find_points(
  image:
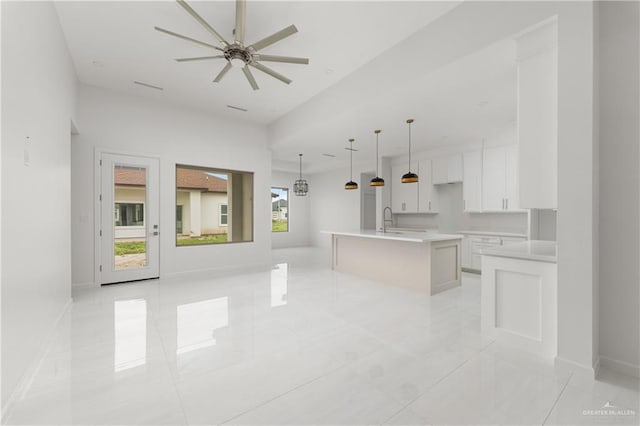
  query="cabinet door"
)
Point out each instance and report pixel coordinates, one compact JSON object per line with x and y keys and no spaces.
{"x":440,"y":170}
{"x":426,"y":191}
{"x":493,"y":179}
{"x":472,"y":181}
{"x":404,"y":196}
{"x":511,"y":195}
{"x":454,"y":168}
{"x":467,"y":261}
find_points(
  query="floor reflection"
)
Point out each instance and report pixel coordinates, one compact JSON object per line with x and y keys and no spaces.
{"x":279,"y":284}
{"x":198,"y":321}
{"x":130,"y":323}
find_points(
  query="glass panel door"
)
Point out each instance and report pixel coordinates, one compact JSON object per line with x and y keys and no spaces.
{"x":129,"y":232}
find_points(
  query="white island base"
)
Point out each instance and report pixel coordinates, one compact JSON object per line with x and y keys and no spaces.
{"x":428,"y":263}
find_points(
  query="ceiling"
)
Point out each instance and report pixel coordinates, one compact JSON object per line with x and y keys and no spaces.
{"x":372,"y":65}
{"x":113,"y":44}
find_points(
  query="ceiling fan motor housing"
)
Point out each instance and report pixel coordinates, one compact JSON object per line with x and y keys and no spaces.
{"x":236,"y":51}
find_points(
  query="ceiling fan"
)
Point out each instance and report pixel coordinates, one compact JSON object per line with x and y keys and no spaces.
{"x":237,"y":54}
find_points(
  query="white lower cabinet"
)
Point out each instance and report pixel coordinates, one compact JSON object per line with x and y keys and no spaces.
{"x":519,"y":303}
{"x":472,"y":246}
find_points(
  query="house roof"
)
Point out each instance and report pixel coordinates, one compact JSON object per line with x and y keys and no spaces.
{"x":185,"y":179}
{"x":276,"y":205}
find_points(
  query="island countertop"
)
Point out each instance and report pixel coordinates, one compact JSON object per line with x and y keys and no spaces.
{"x":414,"y":237}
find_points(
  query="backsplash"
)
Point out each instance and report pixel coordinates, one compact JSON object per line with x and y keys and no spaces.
{"x":451,"y":218}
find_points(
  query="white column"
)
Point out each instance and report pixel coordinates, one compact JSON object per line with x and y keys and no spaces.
{"x":195,"y":212}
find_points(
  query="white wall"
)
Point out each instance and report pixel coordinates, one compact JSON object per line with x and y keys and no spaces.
{"x":38,"y":101}
{"x":619,"y":185}
{"x":333,"y":208}
{"x":131,"y":125}
{"x":298,"y":212}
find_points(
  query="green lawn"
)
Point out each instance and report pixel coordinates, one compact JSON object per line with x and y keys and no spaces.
{"x":130,"y":247}
{"x":205,"y":239}
{"x":279,"y":226}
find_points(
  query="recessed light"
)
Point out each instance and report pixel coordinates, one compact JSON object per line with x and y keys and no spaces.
{"x":98,"y":64}
{"x":328,"y":71}
{"x":237,"y":108}
{"x":150,"y":86}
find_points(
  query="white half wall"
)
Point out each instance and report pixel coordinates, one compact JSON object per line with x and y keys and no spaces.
{"x":619,"y":90}
{"x":38,"y":103}
{"x":125,"y":124}
{"x":298,"y":211}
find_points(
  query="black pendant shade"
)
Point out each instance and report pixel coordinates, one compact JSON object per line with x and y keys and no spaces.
{"x":377,"y":181}
{"x":409,"y":177}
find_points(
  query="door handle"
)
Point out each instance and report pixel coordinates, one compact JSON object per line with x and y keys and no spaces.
{"x":156,"y":233}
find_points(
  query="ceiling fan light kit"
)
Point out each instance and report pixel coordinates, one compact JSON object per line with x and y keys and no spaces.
{"x":351,"y":184}
{"x":377,"y":181}
{"x":237,"y":54}
{"x":409,"y":177}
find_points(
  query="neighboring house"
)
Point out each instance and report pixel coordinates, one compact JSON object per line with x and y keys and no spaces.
{"x":201,"y":203}
{"x":279,"y":210}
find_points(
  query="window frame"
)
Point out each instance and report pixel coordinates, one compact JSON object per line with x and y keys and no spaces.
{"x":219,"y":170}
{"x":288,"y":212}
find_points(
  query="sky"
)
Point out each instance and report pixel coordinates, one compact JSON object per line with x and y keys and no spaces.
{"x":282,"y":193}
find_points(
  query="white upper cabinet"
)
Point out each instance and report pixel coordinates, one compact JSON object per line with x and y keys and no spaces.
{"x":427,"y":198}
{"x":447,"y":169}
{"x":404,"y":196}
{"x":472,"y":181}
{"x":538,"y":117}
{"x":500,"y":179}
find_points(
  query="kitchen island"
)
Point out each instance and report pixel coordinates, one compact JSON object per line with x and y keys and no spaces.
{"x":426,"y":262}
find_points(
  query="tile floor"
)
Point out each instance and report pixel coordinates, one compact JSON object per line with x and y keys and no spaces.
{"x":299,"y":344}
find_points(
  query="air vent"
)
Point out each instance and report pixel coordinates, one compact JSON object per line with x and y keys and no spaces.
{"x":237,"y":108}
{"x":329,"y":155}
{"x":150,"y":86}
{"x":351,"y":149}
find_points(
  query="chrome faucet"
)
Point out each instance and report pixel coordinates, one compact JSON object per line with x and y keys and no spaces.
{"x":384,"y":218}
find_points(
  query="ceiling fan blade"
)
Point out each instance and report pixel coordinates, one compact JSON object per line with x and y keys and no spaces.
{"x":271,"y":72}
{"x":241,"y":11}
{"x":201,"y":21}
{"x":222,"y":73}
{"x":287,"y":59}
{"x":201,"y":58}
{"x":249,"y":75}
{"x":274,"y":38}
{"x":171,"y":33}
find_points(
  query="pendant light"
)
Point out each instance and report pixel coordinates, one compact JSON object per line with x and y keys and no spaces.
{"x":377,"y":181}
{"x":409,"y":177}
{"x":351,"y":184}
{"x":300,"y":187}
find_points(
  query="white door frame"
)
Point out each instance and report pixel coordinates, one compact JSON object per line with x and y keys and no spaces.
{"x":153,"y":250}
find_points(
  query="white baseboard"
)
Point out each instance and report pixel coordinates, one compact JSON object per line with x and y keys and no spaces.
{"x":24,"y":384}
{"x":590,"y":371}
{"x":622,"y":367}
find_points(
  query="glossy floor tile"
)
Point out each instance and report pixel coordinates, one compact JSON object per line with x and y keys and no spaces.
{"x":299,"y":344}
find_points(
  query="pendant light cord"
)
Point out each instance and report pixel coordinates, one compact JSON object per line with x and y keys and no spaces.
{"x":300,"y":166}
{"x":377,"y":157}
{"x":409,"y":121}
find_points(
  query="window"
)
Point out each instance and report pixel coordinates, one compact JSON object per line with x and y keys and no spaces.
{"x":213,"y":206}
{"x":129,"y":214}
{"x":223,"y":214}
{"x":279,"y":209}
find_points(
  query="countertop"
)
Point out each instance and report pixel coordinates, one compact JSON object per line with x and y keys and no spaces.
{"x":542,"y":251}
{"x":496,"y":234}
{"x":415,"y":237}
